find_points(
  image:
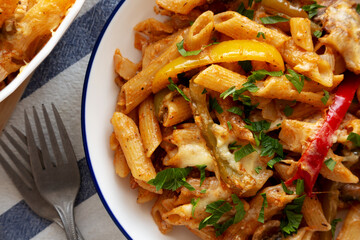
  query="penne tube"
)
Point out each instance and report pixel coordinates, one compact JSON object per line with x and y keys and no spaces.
{"x":351,"y":227}
{"x":120,"y":164}
{"x":180,"y":6}
{"x":314,"y":215}
{"x":149,"y":126}
{"x":127,"y":133}
{"x":200,"y":32}
{"x":124,"y":67}
{"x":174,"y":110}
{"x":145,"y":196}
{"x":301,"y":33}
{"x":238,"y":26}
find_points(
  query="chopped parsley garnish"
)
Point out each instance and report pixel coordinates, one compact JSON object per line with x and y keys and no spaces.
{"x":194,"y":202}
{"x":233,"y":146}
{"x":291,"y":223}
{"x":330,"y":163}
{"x":245,"y":65}
{"x":245,"y":12}
{"x":250,"y":3}
{"x":214,"y":105}
{"x":202,"y":173}
{"x":235,"y":110}
{"x":261,"y":34}
{"x":286,"y":190}
{"x":250,"y":86}
{"x":172,"y":87}
{"x":288,"y":111}
{"x":229,"y":125}
{"x":318,"y":33}
{"x":218,"y":209}
{"x":203,"y":191}
{"x":172,"y":179}
{"x":296,"y":79}
{"x":273,"y":19}
{"x":258,"y":126}
{"x":273,"y":161}
{"x":326,"y":96}
{"x":300,"y":186}
{"x":261,"y":74}
{"x":228,"y":92}
{"x":184,"y":53}
{"x":239,"y":206}
{"x":270,"y":146}
{"x":333,"y":225}
{"x":243,"y":152}
{"x":312,"y":9}
{"x":257,"y":169}
{"x":261,"y":217}
{"x":354,"y":138}
{"x":358,"y":8}
{"x":204,"y":91}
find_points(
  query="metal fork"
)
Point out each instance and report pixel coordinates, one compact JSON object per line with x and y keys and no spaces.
{"x":56,"y":176}
{"x":22,"y":177}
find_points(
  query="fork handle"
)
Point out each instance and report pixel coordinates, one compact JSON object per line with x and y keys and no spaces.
{"x":79,"y":235}
{"x":66,"y":213}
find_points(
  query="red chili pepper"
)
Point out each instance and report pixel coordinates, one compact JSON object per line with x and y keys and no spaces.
{"x":312,"y":159}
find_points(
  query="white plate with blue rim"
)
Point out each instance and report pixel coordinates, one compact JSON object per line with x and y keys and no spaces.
{"x":98,"y":105}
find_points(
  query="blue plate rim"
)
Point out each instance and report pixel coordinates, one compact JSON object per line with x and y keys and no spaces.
{"x":83,"y":125}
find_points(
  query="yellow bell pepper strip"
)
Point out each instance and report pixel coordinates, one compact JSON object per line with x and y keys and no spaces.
{"x":228,"y":51}
{"x":313,"y":157}
{"x":285,"y":7}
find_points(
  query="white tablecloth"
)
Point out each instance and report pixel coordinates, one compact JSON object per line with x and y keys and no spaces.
{"x":60,"y":80}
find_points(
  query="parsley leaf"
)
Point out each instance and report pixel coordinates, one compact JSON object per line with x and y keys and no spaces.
{"x":261,"y":74}
{"x":203,"y":191}
{"x":240,"y":211}
{"x":299,"y":186}
{"x":235,"y":110}
{"x":288,"y":111}
{"x":290,"y":224}
{"x":204,"y":91}
{"x":257,"y":169}
{"x":330,"y":163}
{"x":286,"y":190}
{"x":194,"y":203}
{"x":250,"y":86}
{"x":312,"y":9}
{"x":354,"y":138}
{"x":318,"y":33}
{"x":326,"y":96}
{"x":172,"y":87}
{"x":229,"y":125}
{"x":172,"y":179}
{"x":258,"y":126}
{"x":215,"y":105}
{"x":202,"y":173}
{"x":243,"y":152}
{"x":270,"y":146}
{"x":261,"y":34}
{"x":358,"y":8}
{"x":183,"y":52}
{"x":262,"y":211}
{"x":246,"y":12}
{"x":334,"y":223}
{"x":245,"y":65}
{"x":233,"y":146}
{"x":273,"y":19}
{"x":296,"y":79}
{"x":228,"y":92}
{"x":216,"y":209}
{"x":273,"y":161}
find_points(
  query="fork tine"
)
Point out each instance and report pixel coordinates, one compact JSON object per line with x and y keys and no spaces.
{"x":16,"y":145}
{"x":22,"y":169}
{"x":19,"y":134}
{"x":44,"y":149}
{"x":33,"y":150}
{"x":70,"y":154}
{"x":54,"y":142}
{"x":14,"y":176}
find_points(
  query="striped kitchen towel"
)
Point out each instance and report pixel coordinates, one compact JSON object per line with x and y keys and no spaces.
{"x":59,"y":79}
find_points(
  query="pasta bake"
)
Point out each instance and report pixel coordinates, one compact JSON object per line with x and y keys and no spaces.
{"x":241,"y":121}
{"x":25,"y":27}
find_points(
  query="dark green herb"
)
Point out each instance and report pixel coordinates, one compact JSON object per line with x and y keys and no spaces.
{"x":235,"y":110}
{"x":286,"y":190}
{"x":246,"y":12}
{"x":273,"y":19}
{"x":261,"y":217}
{"x":330,"y":163}
{"x":172,"y":87}
{"x":326,"y":96}
{"x":288,"y":111}
{"x":172,"y":179}
{"x":243,"y":152}
{"x":293,"y":216}
{"x":318,"y":33}
{"x":354,"y":138}
{"x":194,"y":202}
{"x":257,"y":169}
{"x":214,"y":105}
{"x":245,"y":65}
{"x":300,"y":186}
{"x":334,"y":223}
{"x":312,"y":9}
{"x":261,"y":34}
{"x":202,"y":173}
{"x":296,"y":79}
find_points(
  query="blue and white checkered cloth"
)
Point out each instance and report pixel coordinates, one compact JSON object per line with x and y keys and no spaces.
{"x":59,"y":79}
